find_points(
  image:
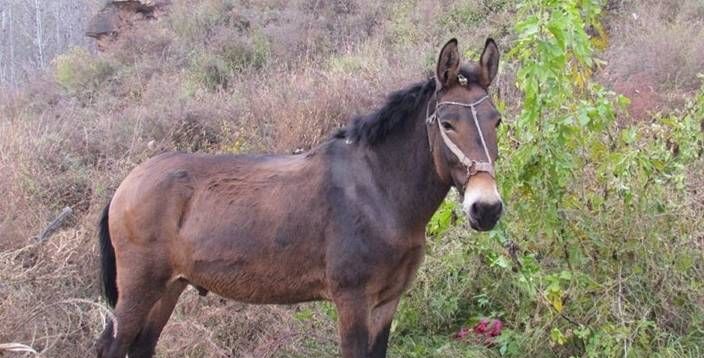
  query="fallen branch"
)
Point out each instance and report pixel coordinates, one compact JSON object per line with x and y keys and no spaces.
{"x":54,"y":224}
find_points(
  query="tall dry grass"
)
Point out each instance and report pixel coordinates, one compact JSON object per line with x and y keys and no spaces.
{"x":656,"y":54}
{"x":214,"y":76}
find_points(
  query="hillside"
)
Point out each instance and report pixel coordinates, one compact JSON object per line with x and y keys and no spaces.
{"x":600,"y":254}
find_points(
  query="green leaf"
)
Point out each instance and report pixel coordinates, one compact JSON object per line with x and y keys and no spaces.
{"x":557,"y":337}
{"x":441,"y":221}
{"x":528,"y":27}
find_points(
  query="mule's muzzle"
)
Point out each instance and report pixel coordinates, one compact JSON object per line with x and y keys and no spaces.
{"x":483,"y":216}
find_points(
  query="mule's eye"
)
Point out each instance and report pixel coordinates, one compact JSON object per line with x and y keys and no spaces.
{"x":448,"y":126}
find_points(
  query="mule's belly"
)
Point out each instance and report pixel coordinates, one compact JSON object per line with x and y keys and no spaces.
{"x":261,"y":289}
{"x":259,"y":278}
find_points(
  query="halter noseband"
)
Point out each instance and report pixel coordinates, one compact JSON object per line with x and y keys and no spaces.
{"x":473,"y":166}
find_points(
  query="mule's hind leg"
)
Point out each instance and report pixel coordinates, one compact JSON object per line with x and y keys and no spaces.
{"x":130,"y":315}
{"x":106,"y":338}
{"x":140,"y":286}
{"x":145,"y":343}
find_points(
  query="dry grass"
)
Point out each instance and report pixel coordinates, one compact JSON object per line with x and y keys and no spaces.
{"x":69,"y":138}
{"x":655,"y":52}
{"x":268,"y":76}
{"x":50,"y":302}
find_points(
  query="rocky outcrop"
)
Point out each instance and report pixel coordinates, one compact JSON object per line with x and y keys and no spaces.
{"x":118,"y":16}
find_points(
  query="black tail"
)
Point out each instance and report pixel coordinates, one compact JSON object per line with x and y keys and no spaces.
{"x":107,"y":260}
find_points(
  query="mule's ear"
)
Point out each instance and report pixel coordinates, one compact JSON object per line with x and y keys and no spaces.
{"x":448,"y":65}
{"x":489,"y":63}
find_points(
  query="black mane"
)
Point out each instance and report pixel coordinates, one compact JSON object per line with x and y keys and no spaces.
{"x":400,"y":106}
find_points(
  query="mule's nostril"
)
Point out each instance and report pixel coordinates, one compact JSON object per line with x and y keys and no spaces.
{"x":497,"y":208}
{"x":479,"y":209}
{"x":484,"y":216}
{"x":474,"y":210}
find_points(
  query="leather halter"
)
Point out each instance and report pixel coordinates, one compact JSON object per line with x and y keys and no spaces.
{"x":473,"y":166}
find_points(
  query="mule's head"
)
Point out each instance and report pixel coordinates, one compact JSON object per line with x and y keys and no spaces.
{"x":463,"y":131}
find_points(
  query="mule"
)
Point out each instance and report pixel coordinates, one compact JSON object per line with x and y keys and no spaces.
{"x":343,"y":222}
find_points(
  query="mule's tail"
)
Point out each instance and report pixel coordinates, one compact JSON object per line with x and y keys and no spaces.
{"x":107,"y":260}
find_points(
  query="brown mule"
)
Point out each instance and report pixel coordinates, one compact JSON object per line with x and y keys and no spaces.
{"x":343,"y":222}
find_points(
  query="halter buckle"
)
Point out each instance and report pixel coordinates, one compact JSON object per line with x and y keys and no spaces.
{"x":472,"y":169}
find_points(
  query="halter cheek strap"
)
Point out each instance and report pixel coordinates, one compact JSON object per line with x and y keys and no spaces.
{"x":473,"y":166}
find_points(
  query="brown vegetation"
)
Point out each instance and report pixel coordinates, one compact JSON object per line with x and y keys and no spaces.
{"x":267,"y":75}
{"x":656,"y":57}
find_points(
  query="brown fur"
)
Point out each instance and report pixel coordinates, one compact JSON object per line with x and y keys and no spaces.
{"x":343,"y":222}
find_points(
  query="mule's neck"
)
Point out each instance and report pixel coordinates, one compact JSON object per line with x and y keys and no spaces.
{"x":404,"y":162}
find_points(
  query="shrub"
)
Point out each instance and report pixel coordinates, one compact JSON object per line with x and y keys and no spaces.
{"x":600,"y":251}
{"x":596,"y":255}
{"x":243,"y":54}
{"x":194,"y":23}
{"x":209,"y":71}
{"x":213,"y":67}
{"x":81,"y":73}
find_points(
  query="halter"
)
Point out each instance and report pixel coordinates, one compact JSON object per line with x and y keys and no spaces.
{"x":473,"y":166}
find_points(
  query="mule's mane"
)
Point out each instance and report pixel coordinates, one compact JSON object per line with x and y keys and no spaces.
{"x":400,"y":108}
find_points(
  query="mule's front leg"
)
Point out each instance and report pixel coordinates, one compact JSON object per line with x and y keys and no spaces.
{"x":353,"y":324}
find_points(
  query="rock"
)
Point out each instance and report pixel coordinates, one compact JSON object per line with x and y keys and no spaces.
{"x":104,"y":23}
{"x":119,"y":15}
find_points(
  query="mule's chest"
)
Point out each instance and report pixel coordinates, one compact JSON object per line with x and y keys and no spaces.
{"x":384,"y":270}
{"x":399,"y":276}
